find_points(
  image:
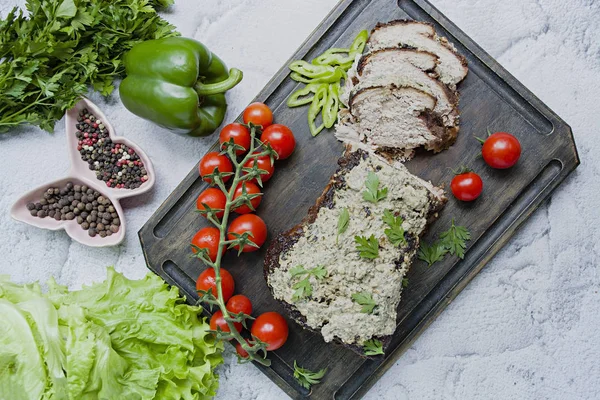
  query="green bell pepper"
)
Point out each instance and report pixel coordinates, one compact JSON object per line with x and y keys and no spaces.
{"x":178,"y":84}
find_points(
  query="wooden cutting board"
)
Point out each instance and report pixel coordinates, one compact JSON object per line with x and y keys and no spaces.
{"x":490,"y":97}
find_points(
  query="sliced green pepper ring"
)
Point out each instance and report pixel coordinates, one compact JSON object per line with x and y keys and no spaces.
{"x":315,"y":108}
{"x":333,"y":57}
{"x":359,"y":43}
{"x":311,"y":71}
{"x":332,"y":105}
{"x":302,"y":96}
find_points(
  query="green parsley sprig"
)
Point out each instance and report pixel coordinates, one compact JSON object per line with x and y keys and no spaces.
{"x":395,"y":232}
{"x":303,"y":288}
{"x":453,"y":241}
{"x":373,"y":194}
{"x":306,"y":378}
{"x":343,"y":221}
{"x":367,"y":247}
{"x":373,"y":347}
{"x":366,"y":300}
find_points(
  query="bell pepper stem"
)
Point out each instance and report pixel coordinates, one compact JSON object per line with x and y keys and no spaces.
{"x":208,"y":89}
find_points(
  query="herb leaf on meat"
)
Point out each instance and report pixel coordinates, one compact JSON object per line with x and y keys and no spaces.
{"x":306,"y":377}
{"x":366,"y":300}
{"x":373,"y":194}
{"x":395,"y":232}
{"x":373,"y":347}
{"x":343,"y":221}
{"x":404,"y":283}
{"x":431,"y":253}
{"x":454,"y":240}
{"x":367,"y":247}
{"x":303,"y":288}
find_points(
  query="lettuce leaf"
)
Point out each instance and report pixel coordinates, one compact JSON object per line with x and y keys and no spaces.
{"x":122,"y":338}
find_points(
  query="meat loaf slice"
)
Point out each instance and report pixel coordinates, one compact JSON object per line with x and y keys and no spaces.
{"x":393,"y":121}
{"x":329,"y":307}
{"x":452,"y":66}
{"x":392,"y":66}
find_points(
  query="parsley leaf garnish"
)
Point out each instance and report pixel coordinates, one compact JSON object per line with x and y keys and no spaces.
{"x":431,"y":253}
{"x":366,"y":300}
{"x":373,"y":194}
{"x":395,"y":232}
{"x":343,"y":221}
{"x":303,"y":288}
{"x":306,"y":377}
{"x":373,"y":347}
{"x":405,"y":282}
{"x":367,"y":248}
{"x":454,"y":240}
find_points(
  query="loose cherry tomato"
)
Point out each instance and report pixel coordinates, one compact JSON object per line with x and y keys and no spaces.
{"x":240,"y":350}
{"x":214,"y":160}
{"x":214,"y":198}
{"x":263,"y":163}
{"x":239,"y":303}
{"x":272,"y":329}
{"x":281,"y":139}
{"x":501,"y":150}
{"x":467,"y":186}
{"x":217,"y":320}
{"x":251,"y":188}
{"x":249,"y":223}
{"x":207,"y":238}
{"x":206,"y":281}
{"x":258,"y":114}
{"x":240,"y":135}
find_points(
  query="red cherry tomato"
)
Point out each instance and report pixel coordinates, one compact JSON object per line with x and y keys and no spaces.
{"x":240,"y":135}
{"x":239,"y":303}
{"x":240,"y":350}
{"x":467,"y":186}
{"x":258,"y":114}
{"x":281,"y":139}
{"x":501,"y":150}
{"x":206,"y":281}
{"x":251,"y":188}
{"x":263,"y":163}
{"x":272,"y":329}
{"x":207,"y":238}
{"x":217,"y":320}
{"x":214,"y":198}
{"x":249,"y":223}
{"x":214,"y":160}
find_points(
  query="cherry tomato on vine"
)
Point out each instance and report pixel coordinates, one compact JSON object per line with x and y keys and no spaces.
{"x":239,"y":303}
{"x":207,"y":238}
{"x":281,"y":139}
{"x":206,"y":281}
{"x":467,"y":186}
{"x":251,"y":188}
{"x":249,"y":223}
{"x":271,"y":328}
{"x":263,"y":163}
{"x":217,"y":320}
{"x":501,"y":150}
{"x":213,"y":160}
{"x":240,"y":350}
{"x":240,"y":135}
{"x":214,"y":198}
{"x":258,"y":114}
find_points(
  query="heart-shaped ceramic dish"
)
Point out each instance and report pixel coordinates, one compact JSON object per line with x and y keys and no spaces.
{"x":82,"y":175}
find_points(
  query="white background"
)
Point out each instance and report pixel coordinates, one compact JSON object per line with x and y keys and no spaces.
{"x":528,"y":327}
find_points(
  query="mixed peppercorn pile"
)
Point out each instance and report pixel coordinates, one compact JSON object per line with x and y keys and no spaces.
{"x":117,"y":164}
{"x":94,"y":212}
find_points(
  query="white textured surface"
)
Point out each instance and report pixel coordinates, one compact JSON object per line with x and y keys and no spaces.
{"x":528,"y":327}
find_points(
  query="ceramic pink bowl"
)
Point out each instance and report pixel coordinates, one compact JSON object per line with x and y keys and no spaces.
{"x":81,"y":174}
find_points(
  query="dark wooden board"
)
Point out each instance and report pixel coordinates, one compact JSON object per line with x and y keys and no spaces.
{"x":490,"y":97}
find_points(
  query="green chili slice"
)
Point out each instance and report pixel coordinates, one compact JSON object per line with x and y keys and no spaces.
{"x":359,"y":43}
{"x":303,"y":95}
{"x":332,"y":105}
{"x":315,"y":108}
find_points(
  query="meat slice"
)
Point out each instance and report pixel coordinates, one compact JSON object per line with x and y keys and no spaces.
{"x":392,"y":66}
{"x":452,"y":67}
{"x":393,"y":121}
{"x":330,"y":308}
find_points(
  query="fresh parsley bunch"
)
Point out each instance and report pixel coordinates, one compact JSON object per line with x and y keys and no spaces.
{"x":50,"y":57}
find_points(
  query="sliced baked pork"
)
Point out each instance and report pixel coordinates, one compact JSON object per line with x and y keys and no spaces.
{"x":392,"y":121}
{"x":322,"y":277}
{"x":452,"y":67}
